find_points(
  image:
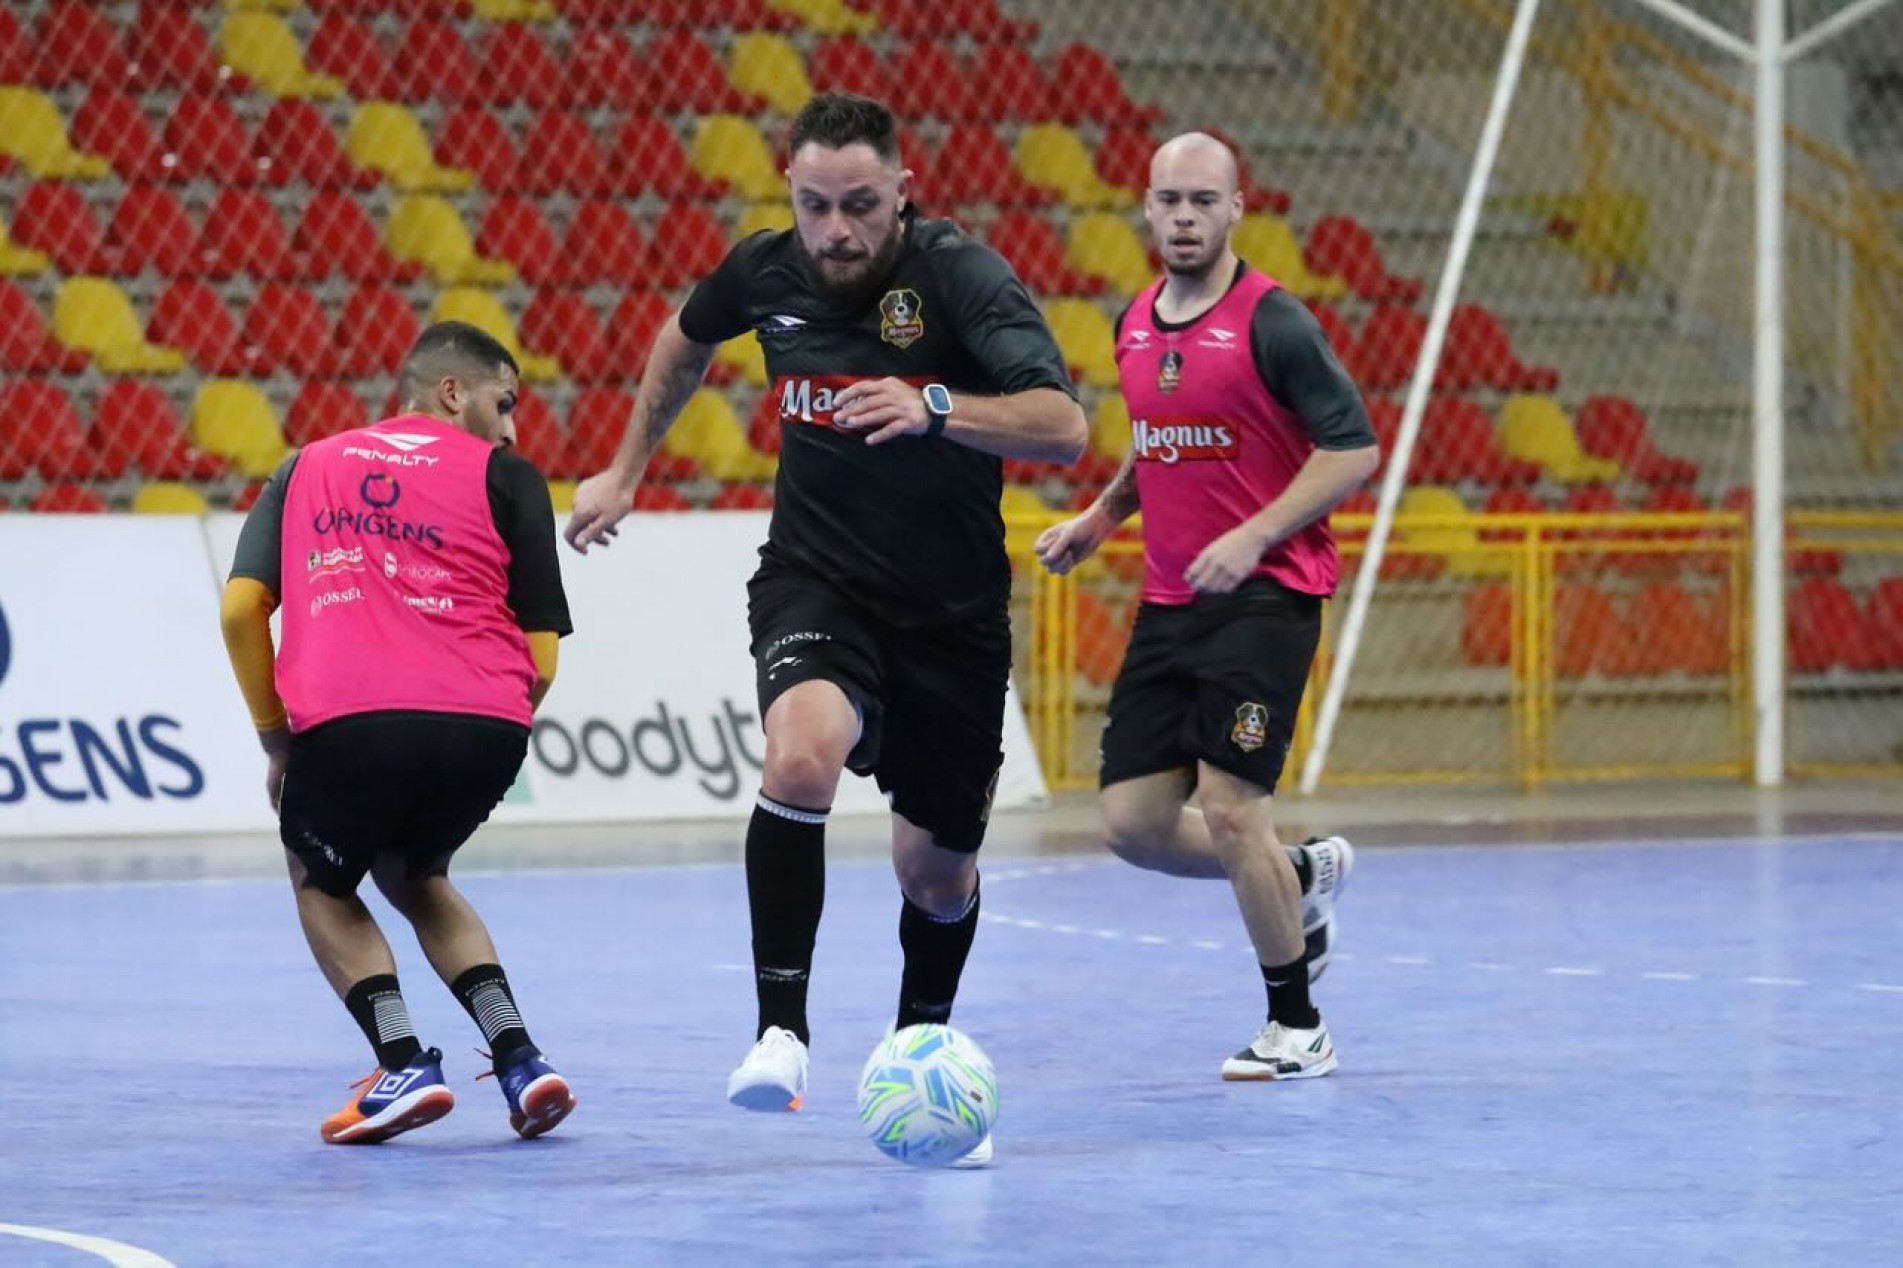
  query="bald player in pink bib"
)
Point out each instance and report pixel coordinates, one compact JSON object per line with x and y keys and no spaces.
{"x":414,"y":563}
{"x":1245,"y":432}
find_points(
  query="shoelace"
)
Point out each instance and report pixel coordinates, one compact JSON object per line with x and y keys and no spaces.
{"x":490,"y":1058}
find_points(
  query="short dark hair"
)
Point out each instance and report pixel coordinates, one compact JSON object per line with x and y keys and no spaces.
{"x":451,"y":347}
{"x":839,"y":119}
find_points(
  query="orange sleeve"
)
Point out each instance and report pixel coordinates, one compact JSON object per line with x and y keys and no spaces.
{"x":245,"y":614}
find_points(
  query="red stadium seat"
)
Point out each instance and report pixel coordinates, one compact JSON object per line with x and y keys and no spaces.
{"x":846,"y":63}
{"x":738,"y":15}
{"x":1014,"y":85}
{"x":604,"y":244}
{"x":41,"y":431}
{"x":1457,"y":443}
{"x":150,"y":230}
{"x":1123,"y":156}
{"x":474,"y":138}
{"x":1339,"y":246}
{"x":559,"y":156}
{"x":191,"y":317}
{"x":520,"y":66}
{"x":694,"y":79}
{"x":210,"y":142}
{"x":169,"y":47}
{"x":604,"y":70}
{"x":1885,"y":622}
{"x":974,"y":165}
{"x":1588,"y":629}
{"x":374,"y":332}
{"x":930,"y":82}
{"x":19,"y":52}
{"x":1335,"y":328}
{"x":288,"y":329}
{"x":26,"y":343}
{"x":114,"y":125}
{"x":135,"y":423}
{"x":55,"y":217}
{"x":1387,"y":348}
{"x":763,"y":425}
{"x":348,"y":49}
{"x":981,"y":20}
{"x":323,"y":409}
{"x":1092,"y":90}
{"x":337,"y":235}
{"x":1828,"y":629}
{"x":1672,"y":631}
{"x":538,"y":434}
{"x":742,"y":497}
{"x":688,"y":244}
{"x":660,"y":497}
{"x":645,"y":154}
{"x":1613,"y":427}
{"x":243,"y":237}
{"x":563,"y":325}
{"x":515,"y":230}
{"x":78,"y":45}
{"x":596,"y":420}
{"x":1035,"y":251}
{"x":1486,"y":629}
{"x":435,"y":66}
{"x":295,"y":139}
{"x":68,"y":499}
{"x":631,"y":331}
{"x":1479,"y":353}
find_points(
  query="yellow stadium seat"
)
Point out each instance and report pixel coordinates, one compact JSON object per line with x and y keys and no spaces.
{"x":1110,"y":426}
{"x":1023,"y":502}
{"x":769,"y":67}
{"x":562,"y":494}
{"x":1087,"y":341}
{"x":235,"y":420}
{"x":166,"y":497}
{"x":485,"y":312}
{"x":515,"y":10}
{"x":771,"y":216}
{"x":94,"y":314}
{"x":1054,"y":157}
{"x":260,"y":46}
{"x":387,"y":138}
{"x":33,"y":131}
{"x":427,"y":229}
{"x":17,"y":260}
{"x":728,"y":147}
{"x":1457,"y":541}
{"x":263,"y":6}
{"x":745,"y":355}
{"x":709,"y":432}
{"x":1268,"y":243}
{"x":1102,"y":244}
{"x":827,"y":17}
{"x":1534,"y":426}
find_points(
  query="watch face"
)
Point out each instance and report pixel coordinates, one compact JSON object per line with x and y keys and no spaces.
{"x":937,"y":399}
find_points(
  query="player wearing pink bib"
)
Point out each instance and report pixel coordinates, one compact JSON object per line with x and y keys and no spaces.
{"x":414,"y":564}
{"x":1245,"y":432}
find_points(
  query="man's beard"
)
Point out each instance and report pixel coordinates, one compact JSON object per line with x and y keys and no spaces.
{"x":1196,"y":269}
{"x":864,"y":286}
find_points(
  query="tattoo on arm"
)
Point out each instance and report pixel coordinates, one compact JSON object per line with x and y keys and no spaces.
{"x":1119,"y":497}
{"x":671,"y":394}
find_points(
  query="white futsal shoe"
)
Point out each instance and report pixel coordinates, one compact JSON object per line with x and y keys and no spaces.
{"x":1283,"y":1052}
{"x":772,"y":1078}
{"x":978,"y":1158}
{"x":1331,"y":860}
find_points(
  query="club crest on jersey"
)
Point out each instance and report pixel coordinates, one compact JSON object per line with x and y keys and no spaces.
{"x":901,"y":318}
{"x":1169,"y":371}
{"x":1251,"y":730}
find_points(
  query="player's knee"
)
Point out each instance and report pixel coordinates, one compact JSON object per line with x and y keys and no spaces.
{"x":939,"y":890}
{"x":1232,"y":825}
{"x":1138,"y":837}
{"x":802,"y":774}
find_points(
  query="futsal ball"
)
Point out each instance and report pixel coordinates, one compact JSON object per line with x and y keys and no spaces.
{"x":928,"y":1095}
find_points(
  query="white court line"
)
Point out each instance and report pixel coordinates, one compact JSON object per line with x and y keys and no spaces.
{"x":1205,"y":944}
{"x":1775,"y":981}
{"x":1065,"y":929}
{"x":1491,"y":966}
{"x":1883,"y":987}
{"x":1151,"y":940}
{"x":1565,"y":971}
{"x":118,"y":1254}
{"x":1669,"y":977}
{"x":1107,"y":933}
{"x":1406,"y":959}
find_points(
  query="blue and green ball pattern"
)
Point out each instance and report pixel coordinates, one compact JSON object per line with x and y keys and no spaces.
{"x":928,"y":1095}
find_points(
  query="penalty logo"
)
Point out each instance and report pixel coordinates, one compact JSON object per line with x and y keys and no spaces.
{"x":1251,"y":731}
{"x":900,"y":322}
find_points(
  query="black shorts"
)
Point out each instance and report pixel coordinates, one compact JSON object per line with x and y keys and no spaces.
{"x":930,"y":701}
{"x":1216,"y":680}
{"x":410,"y":785}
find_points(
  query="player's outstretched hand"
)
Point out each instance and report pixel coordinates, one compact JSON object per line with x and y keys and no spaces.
{"x":600,"y":502}
{"x":1062,"y":547}
{"x":1226,"y":562}
{"x":881,"y":410}
{"x":277,"y":750}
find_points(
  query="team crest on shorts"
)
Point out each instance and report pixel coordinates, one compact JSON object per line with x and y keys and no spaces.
{"x":1251,"y":731}
{"x":901,"y":321}
{"x":1169,"y":371}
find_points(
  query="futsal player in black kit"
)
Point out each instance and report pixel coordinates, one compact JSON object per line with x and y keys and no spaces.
{"x":908,"y":360}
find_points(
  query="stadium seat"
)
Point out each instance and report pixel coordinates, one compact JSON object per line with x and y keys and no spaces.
{"x":1884,"y":620}
{"x":1110,"y":434}
{"x":1038,"y":256}
{"x":741,"y":497}
{"x":190,"y":316}
{"x":846,"y":63}
{"x":563,"y":325}
{"x":41,"y":431}
{"x":1052,"y":156}
{"x":33,"y":133}
{"x":763,"y":218}
{"x":1092,"y":91}
{"x":431,"y":66}
{"x":1015,"y":86}
{"x":1456,"y":545}
{"x":210,"y":142}
{"x":1677,"y":499}
{"x":688,"y":244}
{"x":1084,"y":335}
{"x":114,"y":126}
{"x":1486,"y":627}
{"x":1614,"y":428}
{"x":763,"y":425}
{"x":1123,"y":156}
{"x":19,"y":261}
{"x":694,"y":79}
{"x":604,"y":245}
{"x":484,"y":311}
{"x":349,"y":49}
{"x":1339,"y":246}
{"x":1457,"y":443}
{"x":515,"y":230}
{"x":637,"y":319}
{"x":1480,"y":354}
{"x":523,"y":69}
{"x":981,"y":20}
{"x":474,"y":139}
{"x":243,"y":237}
{"x":295,"y":139}
{"x":427,"y":230}
{"x":1102,"y":635}
{"x":337,"y":235}
{"x":604,"y":70}
{"x":65,"y":498}
{"x":134,"y":423}
{"x":514,"y":10}
{"x":645,"y":154}
{"x":375,"y":331}
{"x":235,"y":421}
{"x":709,"y":433}
{"x":1509,"y":500}
{"x":1828,"y":630}
{"x":78,"y":45}
{"x":660,"y":497}
{"x":539,"y":436}
{"x":260,"y":47}
{"x":745,"y":357}
{"x":54,"y":218}
{"x":769,"y":67}
{"x":1267,"y":242}
{"x":1104,"y":246}
{"x":1589,"y":634}
{"x":1533,"y":426}
{"x":827,"y":17}
{"x":18,"y":50}
{"x":930,"y":82}
{"x":286,"y":328}
{"x":92,"y":314}
{"x":169,"y":48}
{"x":975,"y":165}
{"x":1670,"y":630}
{"x":168,"y":497}
{"x":559,"y":156}
{"x":26,"y":345}
{"x":149,"y":229}
{"x":386,"y":138}
{"x":730,"y":148}
{"x":596,"y":419}
{"x":1387,"y":348}
{"x":1335,"y":329}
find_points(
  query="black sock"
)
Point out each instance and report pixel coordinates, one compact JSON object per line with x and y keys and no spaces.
{"x":786,"y":890}
{"x":376,"y":1005}
{"x":935,"y":953}
{"x":1304,"y":871}
{"x":485,"y":995}
{"x":1288,"y":994}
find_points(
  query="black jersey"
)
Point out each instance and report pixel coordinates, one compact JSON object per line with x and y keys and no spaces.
{"x":910,"y":527}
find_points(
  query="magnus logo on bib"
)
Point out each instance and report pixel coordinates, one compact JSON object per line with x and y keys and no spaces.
{"x":1173,"y":440}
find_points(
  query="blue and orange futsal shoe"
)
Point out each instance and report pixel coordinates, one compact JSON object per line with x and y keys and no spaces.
{"x":396,"y":1101}
{"x":538,"y":1097}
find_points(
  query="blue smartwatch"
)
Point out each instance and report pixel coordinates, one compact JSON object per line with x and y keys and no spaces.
{"x":938,"y":407}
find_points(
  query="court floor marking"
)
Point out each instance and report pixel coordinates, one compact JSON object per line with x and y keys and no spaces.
{"x":118,"y":1254}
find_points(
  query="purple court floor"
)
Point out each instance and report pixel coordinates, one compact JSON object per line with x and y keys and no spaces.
{"x":1644,"y":1052}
